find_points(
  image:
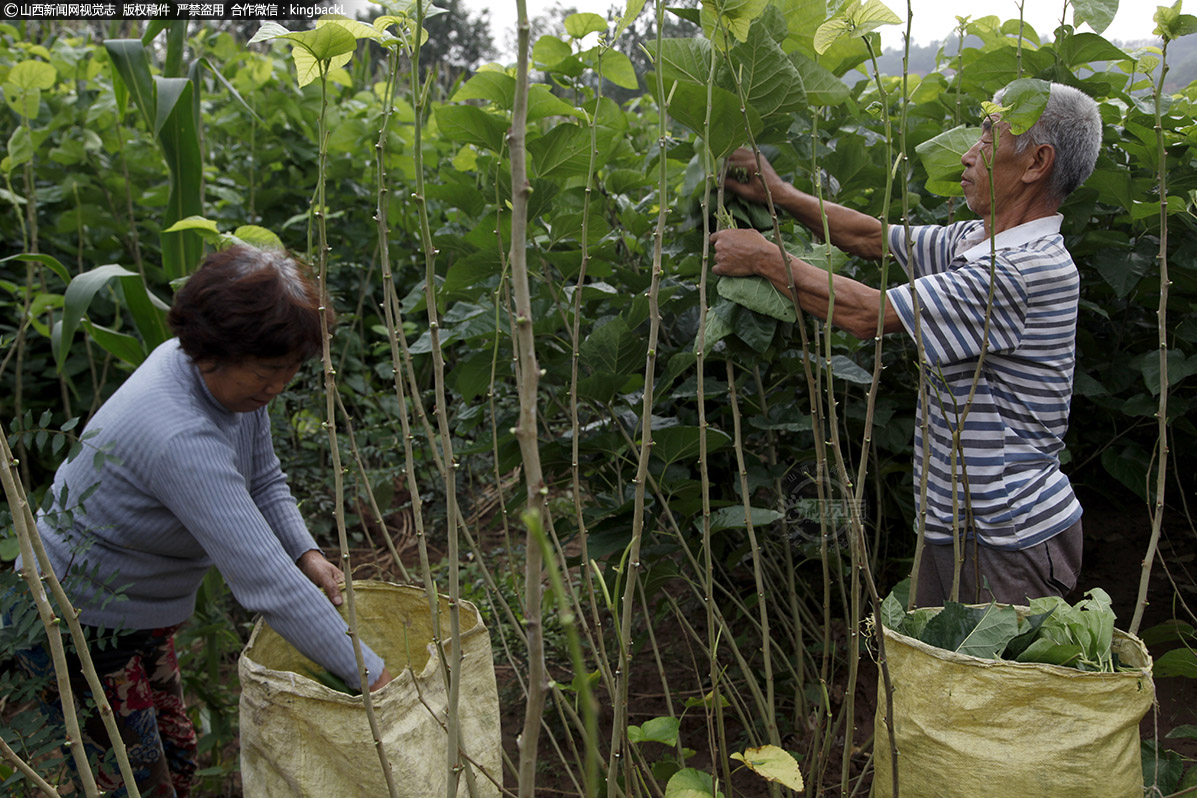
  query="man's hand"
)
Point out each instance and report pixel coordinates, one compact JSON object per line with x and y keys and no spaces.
{"x":742,"y":164}
{"x":742,"y":253}
{"x":323,"y":574}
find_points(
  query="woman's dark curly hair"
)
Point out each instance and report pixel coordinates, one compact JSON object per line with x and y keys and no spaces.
{"x":244,"y":302}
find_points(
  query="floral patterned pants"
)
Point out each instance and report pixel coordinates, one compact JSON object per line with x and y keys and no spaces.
{"x":141,"y":680}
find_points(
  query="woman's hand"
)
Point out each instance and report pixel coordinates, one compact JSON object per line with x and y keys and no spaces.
{"x":324,"y":575}
{"x":381,"y":681}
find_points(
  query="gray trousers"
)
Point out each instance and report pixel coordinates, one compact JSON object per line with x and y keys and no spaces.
{"x":1009,"y":577}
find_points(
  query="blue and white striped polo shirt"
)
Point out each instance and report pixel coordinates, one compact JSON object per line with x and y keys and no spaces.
{"x":1008,"y":460}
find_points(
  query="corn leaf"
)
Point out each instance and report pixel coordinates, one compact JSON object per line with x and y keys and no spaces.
{"x":133,"y":65}
{"x":126,"y":347}
{"x":76,"y":301}
{"x":178,"y":133}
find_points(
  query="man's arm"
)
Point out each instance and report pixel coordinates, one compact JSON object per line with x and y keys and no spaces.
{"x":745,"y":253}
{"x":851,"y":231}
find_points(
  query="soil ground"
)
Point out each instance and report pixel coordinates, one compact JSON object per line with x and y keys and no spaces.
{"x":1116,"y":539}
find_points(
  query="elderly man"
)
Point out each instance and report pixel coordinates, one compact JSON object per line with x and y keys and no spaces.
{"x":1001,"y":492}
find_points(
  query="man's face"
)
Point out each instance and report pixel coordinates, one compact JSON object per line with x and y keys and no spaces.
{"x":1008,"y":168}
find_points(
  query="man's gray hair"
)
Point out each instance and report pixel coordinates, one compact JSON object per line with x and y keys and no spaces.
{"x":1071,"y":124}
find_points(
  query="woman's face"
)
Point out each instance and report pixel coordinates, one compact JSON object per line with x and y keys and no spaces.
{"x":251,"y":383}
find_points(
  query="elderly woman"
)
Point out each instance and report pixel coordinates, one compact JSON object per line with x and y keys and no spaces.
{"x":192,"y":481}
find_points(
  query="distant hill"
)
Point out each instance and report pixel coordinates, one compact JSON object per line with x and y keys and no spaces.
{"x":1182,"y":59}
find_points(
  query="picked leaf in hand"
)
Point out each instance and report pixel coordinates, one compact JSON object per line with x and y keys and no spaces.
{"x":759,"y":295}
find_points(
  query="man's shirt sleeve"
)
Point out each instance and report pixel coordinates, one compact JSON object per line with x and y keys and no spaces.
{"x":930,"y":249}
{"x":959,"y":316}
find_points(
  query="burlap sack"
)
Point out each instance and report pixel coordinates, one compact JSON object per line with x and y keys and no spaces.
{"x":976,"y":728}
{"x":300,"y":738}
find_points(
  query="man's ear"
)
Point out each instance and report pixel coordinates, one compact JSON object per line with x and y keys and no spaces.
{"x":1043,"y":159}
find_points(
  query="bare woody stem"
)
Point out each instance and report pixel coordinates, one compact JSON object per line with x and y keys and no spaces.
{"x":1157,"y":509}
{"x":959,"y":466}
{"x":400,"y":356}
{"x":528,"y":381}
{"x":330,"y":389}
{"x":20,"y":764}
{"x":632,"y":558}
{"x":632,"y":570}
{"x":589,"y":708}
{"x":716,"y":732}
{"x":858,"y":548}
{"x":381,"y":212}
{"x":454,"y":763}
{"x":34,"y":559}
{"x":769,"y":708}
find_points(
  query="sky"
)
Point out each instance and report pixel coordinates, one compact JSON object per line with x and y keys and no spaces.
{"x":934,"y":20}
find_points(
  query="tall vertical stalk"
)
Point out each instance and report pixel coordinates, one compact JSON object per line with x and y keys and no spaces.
{"x":575,"y":344}
{"x":716,"y":732}
{"x":1021,"y":26}
{"x":528,"y":381}
{"x":34,"y":560}
{"x":392,"y":317}
{"x":31,"y":271}
{"x":632,"y":568}
{"x":821,"y":738}
{"x":454,"y":763}
{"x":924,"y":455}
{"x":587,"y":696}
{"x":769,"y":707}
{"x":959,"y":465}
{"x":330,"y":388}
{"x":381,"y":219}
{"x":1157,"y":508}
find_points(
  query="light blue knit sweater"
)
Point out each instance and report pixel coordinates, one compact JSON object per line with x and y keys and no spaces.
{"x":195,"y":486}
